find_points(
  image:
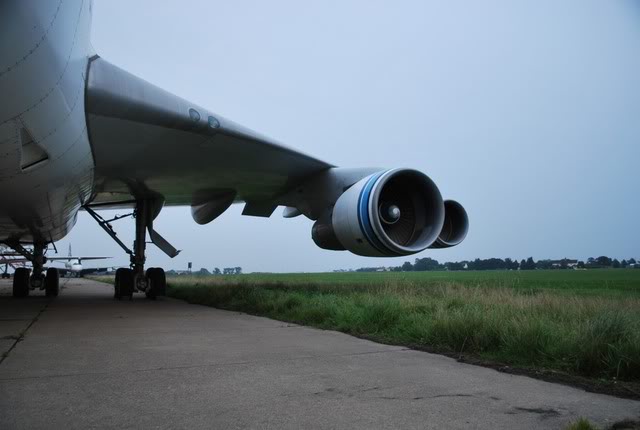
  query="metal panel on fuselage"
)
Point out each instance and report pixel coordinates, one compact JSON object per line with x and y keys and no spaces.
{"x":44,"y":51}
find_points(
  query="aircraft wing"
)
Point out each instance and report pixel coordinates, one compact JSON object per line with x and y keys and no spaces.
{"x":148,"y":143}
{"x":151,"y":145}
{"x":13,"y":260}
{"x":75,"y":258}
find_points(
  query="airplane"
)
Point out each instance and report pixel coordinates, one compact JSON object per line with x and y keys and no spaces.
{"x":73,"y":265}
{"x":79,"y":133}
{"x":8,"y":259}
{"x":73,"y":268}
{"x":10,"y":262}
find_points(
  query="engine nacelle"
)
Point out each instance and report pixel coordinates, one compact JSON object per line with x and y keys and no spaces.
{"x":324,"y":235}
{"x":387,"y":214}
{"x":456,"y":225}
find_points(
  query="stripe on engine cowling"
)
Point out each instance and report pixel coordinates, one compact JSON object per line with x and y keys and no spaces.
{"x":363,"y":215}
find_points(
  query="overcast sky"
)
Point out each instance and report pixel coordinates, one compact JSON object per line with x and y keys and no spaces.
{"x":528,"y":113}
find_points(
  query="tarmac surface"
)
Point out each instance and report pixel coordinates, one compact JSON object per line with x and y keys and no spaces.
{"x":83,"y":360}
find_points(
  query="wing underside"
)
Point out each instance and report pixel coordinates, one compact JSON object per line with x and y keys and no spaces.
{"x":148,"y":143}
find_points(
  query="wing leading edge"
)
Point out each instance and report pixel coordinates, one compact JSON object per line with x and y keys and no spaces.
{"x":148,"y":143}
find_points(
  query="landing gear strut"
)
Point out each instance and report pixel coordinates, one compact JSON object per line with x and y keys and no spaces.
{"x":152,"y":282}
{"x":5,"y":274}
{"x":37,"y":261}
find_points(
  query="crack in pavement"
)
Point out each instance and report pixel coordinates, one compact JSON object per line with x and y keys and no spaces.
{"x":337,"y":392}
{"x":450,"y":395}
{"x":20,"y":337}
{"x":543,"y":412}
{"x":424,"y":398}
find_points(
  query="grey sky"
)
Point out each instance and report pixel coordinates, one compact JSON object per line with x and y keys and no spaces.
{"x":525,"y":112}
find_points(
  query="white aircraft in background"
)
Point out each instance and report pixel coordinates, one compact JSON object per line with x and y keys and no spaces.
{"x":77,"y":132}
{"x":73,"y":265}
{"x":10,"y":260}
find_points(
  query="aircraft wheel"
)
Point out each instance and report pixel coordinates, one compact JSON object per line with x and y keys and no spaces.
{"x":158,"y":281}
{"x":52,"y":282}
{"x":121,"y":285}
{"x":126,"y":284}
{"x":6,"y":276}
{"x":149,"y":275}
{"x":21,"y":282}
{"x":116,"y":284}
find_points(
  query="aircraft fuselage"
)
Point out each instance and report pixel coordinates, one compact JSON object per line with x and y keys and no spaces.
{"x":46,"y":162}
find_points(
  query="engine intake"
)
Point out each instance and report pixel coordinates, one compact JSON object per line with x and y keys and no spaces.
{"x":390,"y":213}
{"x":456,"y":225}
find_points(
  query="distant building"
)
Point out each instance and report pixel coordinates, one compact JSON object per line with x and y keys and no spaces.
{"x":177,"y":272}
{"x":564,"y":263}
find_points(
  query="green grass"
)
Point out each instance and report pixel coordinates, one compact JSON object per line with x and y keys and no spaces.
{"x":583,"y":323}
{"x":605,"y":282}
{"x":581,"y":424}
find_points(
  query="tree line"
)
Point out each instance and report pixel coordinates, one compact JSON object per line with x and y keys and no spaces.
{"x":205,"y":272}
{"x":427,"y":264}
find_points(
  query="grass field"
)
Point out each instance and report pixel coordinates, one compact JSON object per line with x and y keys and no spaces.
{"x":599,"y":283}
{"x":579,"y":322}
{"x":584,"y":323}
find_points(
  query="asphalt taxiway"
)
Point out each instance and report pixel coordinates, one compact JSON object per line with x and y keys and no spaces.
{"x":83,"y":360}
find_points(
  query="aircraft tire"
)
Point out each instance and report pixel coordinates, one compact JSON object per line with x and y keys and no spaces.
{"x":126,"y":284}
{"x":116,"y":281}
{"x":158,"y":281}
{"x":52,"y":282}
{"x":116,"y":284}
{"x":149,"y":274}
{"x":21,"y":282}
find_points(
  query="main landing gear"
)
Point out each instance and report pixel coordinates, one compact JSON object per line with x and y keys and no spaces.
{"x":153,"y":281}
{"x":25,"y":280}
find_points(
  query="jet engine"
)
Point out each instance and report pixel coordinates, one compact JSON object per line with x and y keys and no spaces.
{"x":456,"y":225}
{"x":390,"y":213}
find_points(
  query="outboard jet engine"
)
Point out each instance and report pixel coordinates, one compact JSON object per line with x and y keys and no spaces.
{"x":390,"y":213}
{"x":455,"y":228}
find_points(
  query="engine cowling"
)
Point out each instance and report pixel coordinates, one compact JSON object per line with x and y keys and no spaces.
{"x":390,"y":213}
{"x":455,"y":227}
